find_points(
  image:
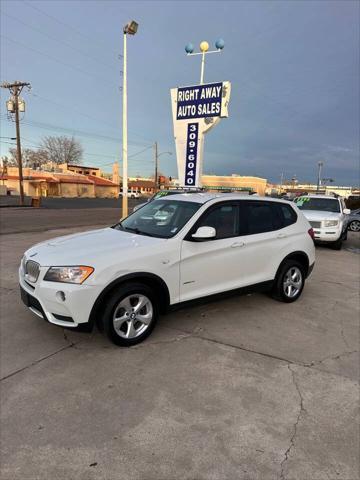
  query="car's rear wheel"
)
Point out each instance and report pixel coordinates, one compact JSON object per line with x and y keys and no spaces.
{"x":130,"y":314}
{"x":354,"y":226}
{"x":289,"y":281}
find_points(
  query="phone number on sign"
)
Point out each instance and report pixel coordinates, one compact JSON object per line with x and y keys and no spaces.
{"x":191,"y":153}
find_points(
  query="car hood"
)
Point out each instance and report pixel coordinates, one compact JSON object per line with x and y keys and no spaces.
{"x":90,"y":248}
{"x":319,"y":215}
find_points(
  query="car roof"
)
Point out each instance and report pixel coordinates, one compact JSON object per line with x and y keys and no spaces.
{"x":207,"y":197}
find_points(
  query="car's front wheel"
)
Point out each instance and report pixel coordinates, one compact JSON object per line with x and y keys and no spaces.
{"x":289,"y":281}
{"x":337,"y":245}
{"x":130,"y":314}
{"x":354,"y":226}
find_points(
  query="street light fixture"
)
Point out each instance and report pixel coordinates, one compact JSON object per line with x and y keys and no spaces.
{"x":129,"y":29}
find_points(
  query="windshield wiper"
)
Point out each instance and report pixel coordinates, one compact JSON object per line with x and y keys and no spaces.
{"x":118,"y":226}
{"x":137,"y":231}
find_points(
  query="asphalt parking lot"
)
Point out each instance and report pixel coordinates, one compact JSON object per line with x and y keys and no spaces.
{"x":240,"y":388}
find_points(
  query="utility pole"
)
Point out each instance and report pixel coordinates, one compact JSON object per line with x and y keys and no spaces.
{"x":13,"y":107}
{"x":156,"y":181}
{"x":320,"y":165}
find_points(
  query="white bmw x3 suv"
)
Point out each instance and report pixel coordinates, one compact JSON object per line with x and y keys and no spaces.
{"x":328,"y":216}
{"x":172,"y":250}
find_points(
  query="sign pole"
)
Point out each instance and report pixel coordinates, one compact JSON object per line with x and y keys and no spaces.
{"x":202,"y":68}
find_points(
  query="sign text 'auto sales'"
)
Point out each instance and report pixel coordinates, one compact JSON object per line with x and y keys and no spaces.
{"x":199,"y":101}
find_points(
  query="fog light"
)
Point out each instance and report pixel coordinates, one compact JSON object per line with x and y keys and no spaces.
{"x":61,"y":296}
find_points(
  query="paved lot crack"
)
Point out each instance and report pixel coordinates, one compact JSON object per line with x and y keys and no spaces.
{"x":268,"y":355}
{"x":8,"y":289}
{"x":72,"y":344}
{"x":36,"y":362}
{"x":274,"y":357}
{"x":160,"y":342}
{"x":330,"y":357}
{"x":343,"y":334}
{"x":296,"y":424}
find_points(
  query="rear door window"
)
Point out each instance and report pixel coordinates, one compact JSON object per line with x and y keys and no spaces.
{"x":286,"y":213}
{"x":258,"y":217}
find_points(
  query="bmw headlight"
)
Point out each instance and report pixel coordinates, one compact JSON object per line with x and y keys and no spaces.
{"x":77,"y":274}
{"x":331,"y":223}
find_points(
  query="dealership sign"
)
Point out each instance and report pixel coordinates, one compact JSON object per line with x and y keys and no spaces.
{"x":196,"y":109}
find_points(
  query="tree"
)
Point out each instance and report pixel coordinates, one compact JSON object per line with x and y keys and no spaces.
{"x":30,"y":158}
{"x":61,"y":150}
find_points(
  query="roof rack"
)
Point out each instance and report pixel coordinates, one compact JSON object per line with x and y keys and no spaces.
{"x":185,"y":189}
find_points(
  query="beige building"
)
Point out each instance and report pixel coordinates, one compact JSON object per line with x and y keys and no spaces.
{"x":81,"y":169}
{"x":65,"y":183}
{"x":299,"y":188}
{"x":217,"y":182}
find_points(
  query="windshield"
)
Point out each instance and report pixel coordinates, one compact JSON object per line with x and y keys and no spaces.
{"x":159,"y":218}
{"x":323,"y":204}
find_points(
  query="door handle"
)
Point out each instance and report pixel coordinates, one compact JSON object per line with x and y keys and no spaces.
{"x":281,"y":235}
{"x":237,"y":244}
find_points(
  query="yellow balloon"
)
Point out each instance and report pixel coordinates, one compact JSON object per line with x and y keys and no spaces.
{"x":204,"y":46}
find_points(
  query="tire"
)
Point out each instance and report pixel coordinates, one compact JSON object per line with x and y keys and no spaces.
{"x":122,"y":324}
{"x":354,"y":226}
{"x":337,"y":245}
{"x":289,"y":293}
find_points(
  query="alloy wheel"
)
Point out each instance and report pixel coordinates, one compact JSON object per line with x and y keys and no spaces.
{"x":132,"y":316}
{"x":293,"y":281}
{"x":355,"y":226}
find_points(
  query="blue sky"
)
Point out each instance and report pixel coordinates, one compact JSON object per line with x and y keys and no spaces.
{"x":294,"y":68}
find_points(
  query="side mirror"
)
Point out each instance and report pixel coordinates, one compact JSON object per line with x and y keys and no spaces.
{"x":204,"y":233}
{"x":347,"y":211}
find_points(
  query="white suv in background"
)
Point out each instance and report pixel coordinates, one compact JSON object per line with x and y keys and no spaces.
{"x":172,"y":250}
{"x":327,"y":216}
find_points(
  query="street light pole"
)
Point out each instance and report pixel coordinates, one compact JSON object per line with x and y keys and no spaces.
{"x":124,"y":133}
{"x":156,"y":182}
{"x":320,"y":165}
{"x":130,"y":28}
{"x":157,"y":155}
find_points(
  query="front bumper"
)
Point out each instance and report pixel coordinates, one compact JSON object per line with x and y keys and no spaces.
{"x":70,"y":308}
{"x":330,"y":234}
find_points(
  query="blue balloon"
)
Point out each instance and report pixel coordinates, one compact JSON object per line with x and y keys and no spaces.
{"x":220,"y":44}
{"x":189,"y":48}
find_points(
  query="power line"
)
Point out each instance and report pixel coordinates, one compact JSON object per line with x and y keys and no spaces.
{"x":138,"y":153}
{"x":59,"y":41}
{"x":67,"y":25}
{"x":74,"y":131}
{"x":84,"y":153}
{"x":114,"y":155}
{"x":56,"y":60}
{"x":68,"y":107}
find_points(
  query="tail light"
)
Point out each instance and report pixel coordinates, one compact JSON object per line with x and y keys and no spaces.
{"x":311,"y":233}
